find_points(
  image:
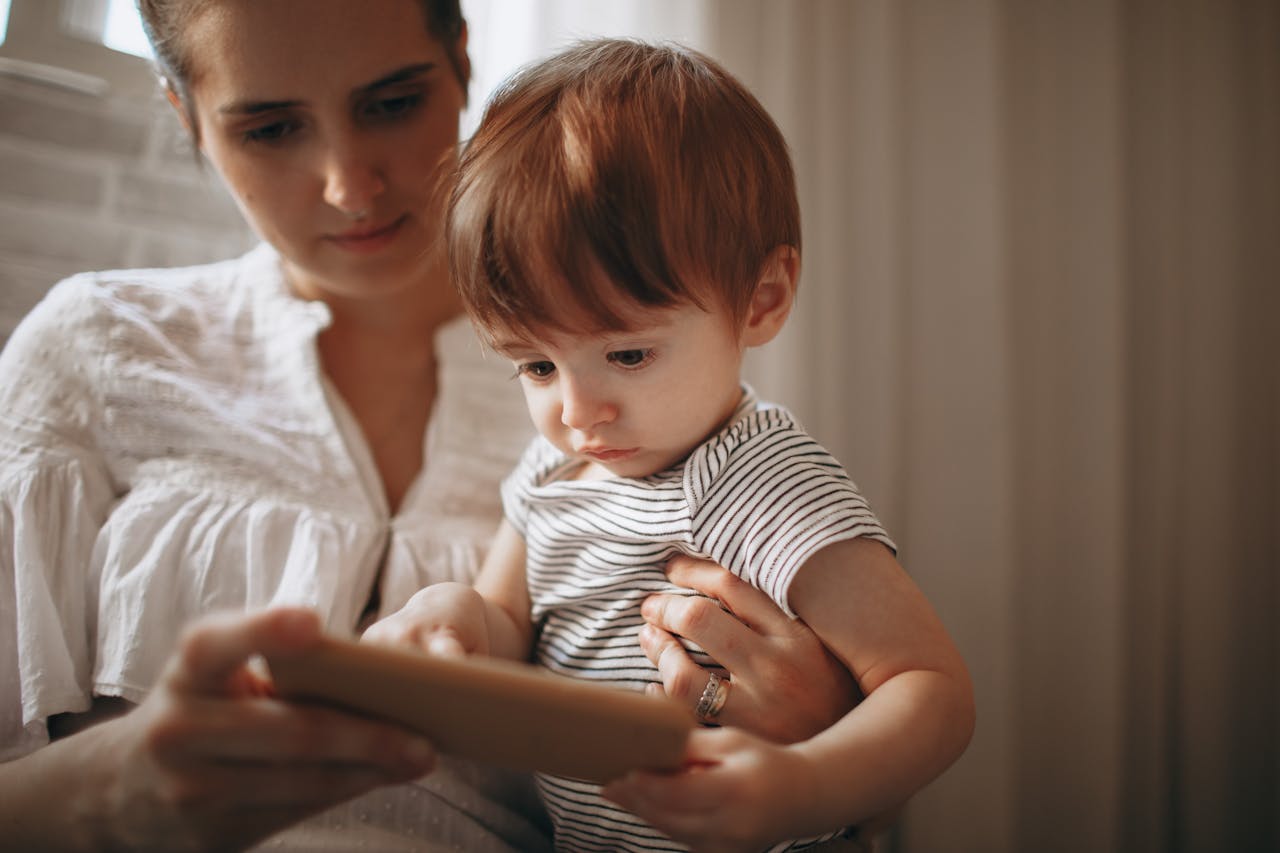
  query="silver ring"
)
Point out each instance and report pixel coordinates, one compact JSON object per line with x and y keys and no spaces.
{"x":713,"y":698}
{"x":357,"y":215}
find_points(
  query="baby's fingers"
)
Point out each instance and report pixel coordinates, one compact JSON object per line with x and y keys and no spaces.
{"x":445,"y":644}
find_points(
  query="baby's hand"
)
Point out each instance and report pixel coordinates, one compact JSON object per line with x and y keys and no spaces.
{"x":737,"y":792}
{"x":445,"y":619}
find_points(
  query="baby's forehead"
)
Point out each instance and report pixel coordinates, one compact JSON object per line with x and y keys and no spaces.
{"x":566,"y":329}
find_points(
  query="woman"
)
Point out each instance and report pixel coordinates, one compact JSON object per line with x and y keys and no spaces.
{"x":312,"y":424}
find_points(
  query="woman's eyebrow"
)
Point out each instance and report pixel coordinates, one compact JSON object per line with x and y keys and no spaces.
{"x":246,"y":108}
{"x":400,"y":75}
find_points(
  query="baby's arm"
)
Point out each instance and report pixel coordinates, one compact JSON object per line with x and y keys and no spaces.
{"x":491,"y":618}
{"x":916,"y":720}
{"x":918,"y":714}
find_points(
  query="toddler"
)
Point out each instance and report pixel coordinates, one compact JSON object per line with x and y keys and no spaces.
{"x":624,"y":227}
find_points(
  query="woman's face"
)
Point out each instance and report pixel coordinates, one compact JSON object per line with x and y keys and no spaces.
{"x":334,"y":124}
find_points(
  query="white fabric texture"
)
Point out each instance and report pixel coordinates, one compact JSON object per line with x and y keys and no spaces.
{"x":169,"y":447}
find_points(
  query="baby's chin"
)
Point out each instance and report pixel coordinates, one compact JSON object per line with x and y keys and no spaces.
{"x":637,"y":466}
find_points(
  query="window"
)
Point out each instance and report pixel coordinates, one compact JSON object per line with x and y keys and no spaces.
{"x":95,"y":45}
{"x":69,"y":43}
{"x":113,"y":23}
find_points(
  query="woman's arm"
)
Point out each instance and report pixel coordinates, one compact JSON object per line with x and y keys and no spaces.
{"x":209,"y":760}
{"x":784,"y":684}
{"x":741,"y":792}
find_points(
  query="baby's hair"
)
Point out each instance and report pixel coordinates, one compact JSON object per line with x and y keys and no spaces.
{"x":615,"y":169}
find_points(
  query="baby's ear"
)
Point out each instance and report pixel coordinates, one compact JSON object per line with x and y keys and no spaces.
{"x":773,"y":297}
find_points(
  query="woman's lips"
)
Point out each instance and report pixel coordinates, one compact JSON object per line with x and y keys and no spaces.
{"x":366,"y":240}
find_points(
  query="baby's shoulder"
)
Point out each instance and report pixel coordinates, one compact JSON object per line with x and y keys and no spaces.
{"x":761,"y":438}
{"x":754,"y":428}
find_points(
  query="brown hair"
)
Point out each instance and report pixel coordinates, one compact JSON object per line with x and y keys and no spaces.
{"x":649,"y":165}
{"x":166,"y":20}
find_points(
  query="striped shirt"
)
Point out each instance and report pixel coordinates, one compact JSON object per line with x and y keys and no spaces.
{"x":759,"y":497}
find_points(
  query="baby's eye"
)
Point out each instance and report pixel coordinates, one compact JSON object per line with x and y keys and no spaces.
{"x":536,"y":369}
{"x":631,"y":357}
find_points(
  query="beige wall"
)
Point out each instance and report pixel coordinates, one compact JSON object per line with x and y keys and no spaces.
{"x":90,"y":182}
{"x":1040,"y":322}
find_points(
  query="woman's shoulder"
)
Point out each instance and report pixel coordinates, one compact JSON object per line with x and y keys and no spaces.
{"x":101,"y":333}
{"x":90,"y":306}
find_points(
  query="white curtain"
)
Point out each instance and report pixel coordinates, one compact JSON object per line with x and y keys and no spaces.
{"x":505,"y":34}
{"x":1039,"y":321}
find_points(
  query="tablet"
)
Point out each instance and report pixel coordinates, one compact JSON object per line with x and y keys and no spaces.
{"x":510,"y":714}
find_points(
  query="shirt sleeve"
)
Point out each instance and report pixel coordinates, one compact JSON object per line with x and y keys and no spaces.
{"x":55,"y":493}
{"x":765,"y":497}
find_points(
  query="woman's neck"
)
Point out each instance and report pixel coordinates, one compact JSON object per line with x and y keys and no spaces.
{"x":379,"y":353}
{"x":383,"y":312}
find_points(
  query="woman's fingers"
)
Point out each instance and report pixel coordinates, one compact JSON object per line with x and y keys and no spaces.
{"x":784,"y":683}
{"x":207,"y":709}
{"x":215,"y":731}
{"x":751,"y":606}
{"x":704,"y":622}
{"x":682,"y":678}
{"x":208,"y":758}
{"x":213,"y":654}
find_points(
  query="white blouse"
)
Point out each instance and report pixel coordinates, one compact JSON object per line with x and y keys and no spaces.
{"x":169,"y":447}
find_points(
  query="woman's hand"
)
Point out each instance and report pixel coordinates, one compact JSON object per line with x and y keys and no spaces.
{"x":210,"y":760}
{"x":737,"y":792}
{"x":784,"y":684}
{"x":446,"y":619}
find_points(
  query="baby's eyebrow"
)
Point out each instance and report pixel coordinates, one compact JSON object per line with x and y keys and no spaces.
{"x":508,"y":348}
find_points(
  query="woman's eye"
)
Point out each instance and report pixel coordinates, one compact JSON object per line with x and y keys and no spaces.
{"x":273,"y":132}
{"x":631,"y":357}
{"x":392,"y":108}
{"x":536,"y":369}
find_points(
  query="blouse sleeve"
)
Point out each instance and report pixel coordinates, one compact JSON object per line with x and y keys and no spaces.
{"x":55,"y":493}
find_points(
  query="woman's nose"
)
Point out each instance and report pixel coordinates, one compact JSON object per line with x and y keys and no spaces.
{"x":352,"y":183}
{"x":583,"y":408}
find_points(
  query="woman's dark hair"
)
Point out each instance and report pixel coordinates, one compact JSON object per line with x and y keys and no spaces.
{"x":166,"y":20}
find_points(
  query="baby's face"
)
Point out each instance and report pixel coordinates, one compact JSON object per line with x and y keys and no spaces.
{"x":631,"y":403}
